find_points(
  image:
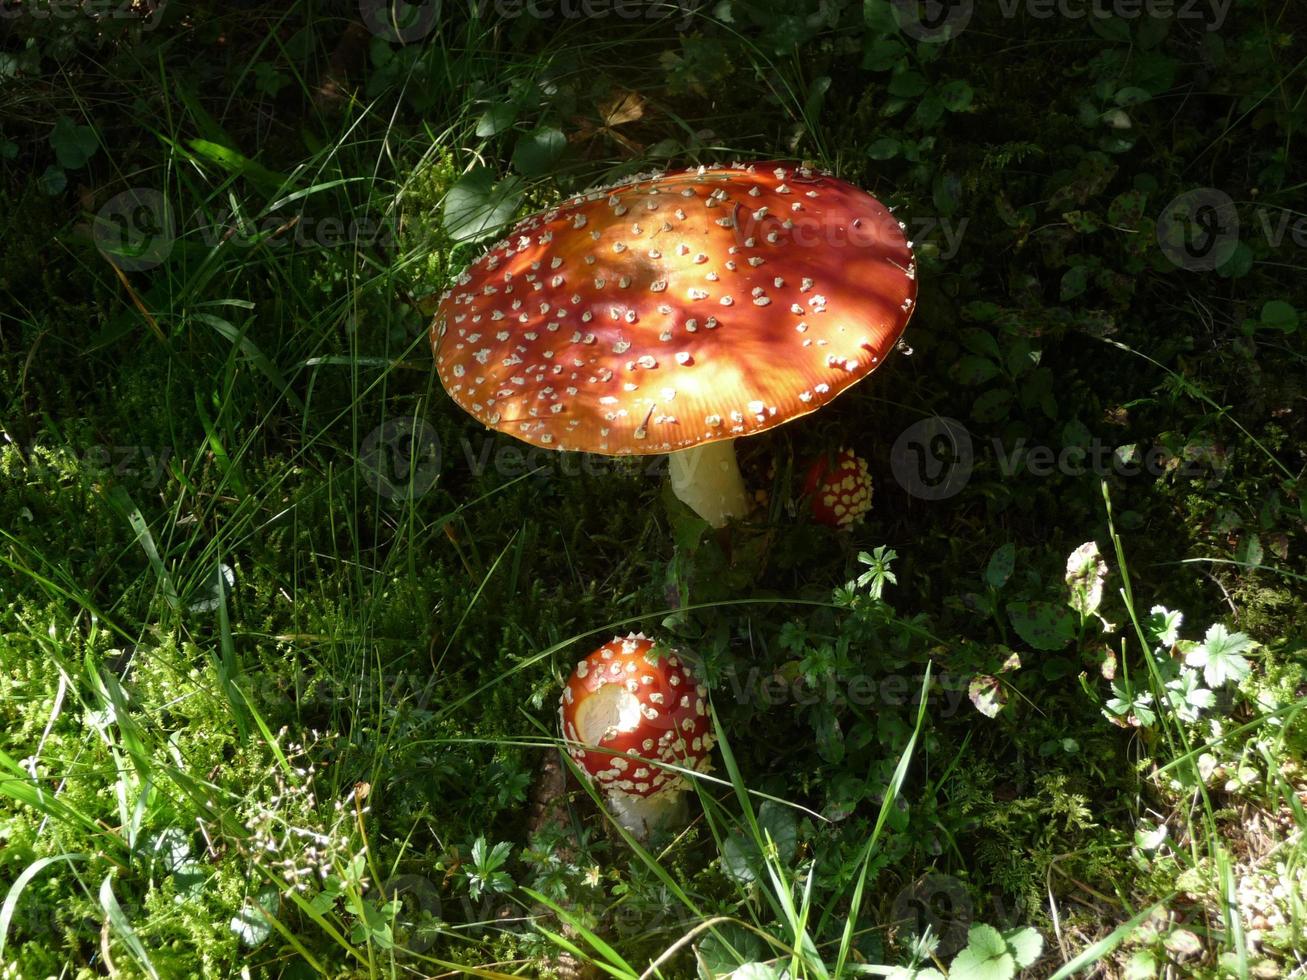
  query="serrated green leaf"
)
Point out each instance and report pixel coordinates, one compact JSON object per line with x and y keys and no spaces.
{"x":986,"y":957}
{"x":1220,"y":655}
{"x":1026,"y":945}
{"x":1163,"y":625}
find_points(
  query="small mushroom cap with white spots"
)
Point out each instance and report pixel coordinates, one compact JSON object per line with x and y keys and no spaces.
{"x":677,"y":309}
{"x":838,"y":490}
{"x":642,"y":705}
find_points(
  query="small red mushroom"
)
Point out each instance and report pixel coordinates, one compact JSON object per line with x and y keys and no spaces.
{"x":625,"y":716}
{"x":838,"y":490}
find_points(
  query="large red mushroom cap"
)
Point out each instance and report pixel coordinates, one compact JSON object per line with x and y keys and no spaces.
{"x":679,"y":309}
{"x":626,"y":712}
{"x":839,"y":490}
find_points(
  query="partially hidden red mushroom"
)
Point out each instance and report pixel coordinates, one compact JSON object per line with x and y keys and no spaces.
{"x":839,"y":489}
{"x":673,"y":313}
{"x":630,"y":710}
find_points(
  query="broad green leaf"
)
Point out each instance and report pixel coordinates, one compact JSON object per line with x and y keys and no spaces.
{"x":1132,"y":95}
{"x":1074,"y":281}
{"x":881,"y":53}
{"x":956,"y":95}
{"x":536,"y":152}
{"x":987,"y":694}
{"x":1279,"y":315}
{"x":884,"y":148}
{"x":1044,"y":625}
{"x":992,"y":405}
{"x":929,"y":111}
{"x":907,"y":84}
{"x":1085,"y":572}
{"x":250,"y":924}
{"x":496,"y":119}
{"x":780,"y":823}
{"x":476,"y":205}
{"x":73,"y":144}
{"x":980,"y":342}
{"x":1239,"y":263}
{"x":1126,"y":209}
{"x":879,"y":16}
{"x":972,"y":369}
{"x":1001,"y":564}
{"x":1141,"y":966}
{"x":755,"y":971}
{"x":52,"y":181}
{"x":740,"y":859}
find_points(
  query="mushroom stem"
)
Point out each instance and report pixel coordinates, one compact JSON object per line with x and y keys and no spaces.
{"x":706,"y":478}
{"x":644,"y":815}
